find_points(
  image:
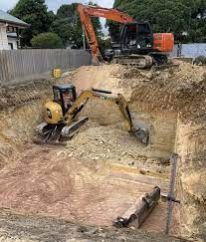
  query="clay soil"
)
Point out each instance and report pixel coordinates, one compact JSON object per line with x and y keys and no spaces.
{"x":73,"y":193}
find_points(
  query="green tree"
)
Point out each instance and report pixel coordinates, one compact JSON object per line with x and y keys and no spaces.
{"x":185,"y":18}
{"x":33,"y":12}
{"x":68,"y":25}
{"x":47,"y":41}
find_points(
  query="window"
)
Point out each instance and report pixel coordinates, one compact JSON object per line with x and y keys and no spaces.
{"x":11,"y":46}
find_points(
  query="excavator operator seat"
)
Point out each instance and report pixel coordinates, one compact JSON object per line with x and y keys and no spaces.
{"x":137,"y":37}
{"x":65,"y":95}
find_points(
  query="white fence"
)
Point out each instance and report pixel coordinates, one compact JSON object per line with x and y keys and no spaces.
{"x":190,"y":50}
{"x":22,"y":65}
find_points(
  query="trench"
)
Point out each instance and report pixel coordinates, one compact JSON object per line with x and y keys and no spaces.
{"x":103,"y":170}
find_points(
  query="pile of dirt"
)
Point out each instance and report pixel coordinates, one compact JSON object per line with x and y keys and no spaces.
{"x":113,"y":144}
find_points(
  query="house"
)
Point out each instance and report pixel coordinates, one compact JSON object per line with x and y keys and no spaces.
{"x":9,"y":31}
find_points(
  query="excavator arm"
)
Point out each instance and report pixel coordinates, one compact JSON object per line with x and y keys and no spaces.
{"x":86,"y":12}
{"x":141,"y":133}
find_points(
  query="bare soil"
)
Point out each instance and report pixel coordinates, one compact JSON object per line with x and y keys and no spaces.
{"x":24,"y":228}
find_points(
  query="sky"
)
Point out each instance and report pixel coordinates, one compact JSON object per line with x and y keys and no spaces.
{"x":55,"y":4}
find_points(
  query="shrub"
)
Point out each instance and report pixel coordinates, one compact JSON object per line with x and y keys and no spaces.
{"x":47,"y":41}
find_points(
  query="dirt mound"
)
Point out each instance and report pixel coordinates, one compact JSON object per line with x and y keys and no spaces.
{"x":101,"y":77}
{"x":112,"y":144}
{"x":178,"y":80}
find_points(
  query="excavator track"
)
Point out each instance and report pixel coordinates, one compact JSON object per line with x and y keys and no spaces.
{"x":69,"y":131}
{"x":56,"y":134}
{"x":139,"y":61}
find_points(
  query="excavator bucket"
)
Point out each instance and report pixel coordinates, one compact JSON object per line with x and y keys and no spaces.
{"x":142,"y":134}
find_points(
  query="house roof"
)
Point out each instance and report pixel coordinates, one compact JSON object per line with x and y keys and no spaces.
{"x":8,"y":18}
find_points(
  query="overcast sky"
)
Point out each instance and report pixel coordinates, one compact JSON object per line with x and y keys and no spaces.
{"x":55,"y":4}
{"x":6,"y":5}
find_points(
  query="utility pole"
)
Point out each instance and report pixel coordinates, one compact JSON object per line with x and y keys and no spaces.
{"x":83,"y":38}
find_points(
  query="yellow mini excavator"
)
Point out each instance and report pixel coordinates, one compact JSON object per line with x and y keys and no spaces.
{"x":60,"y":115}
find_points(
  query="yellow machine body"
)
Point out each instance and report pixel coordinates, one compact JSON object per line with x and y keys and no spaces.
{"x":60,"y":115}
{"x":53,"y":113}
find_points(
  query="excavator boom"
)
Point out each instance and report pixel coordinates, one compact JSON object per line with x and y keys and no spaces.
{"x":86,"y":12}
{"x":141,"y":133}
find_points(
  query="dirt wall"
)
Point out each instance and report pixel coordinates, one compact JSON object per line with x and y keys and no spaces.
{"x":190,"y":145}
{"x":20,"y":110}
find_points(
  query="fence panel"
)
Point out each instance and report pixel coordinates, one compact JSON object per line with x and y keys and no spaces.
{"x":22,"y":65}
{"x":189,"y":50}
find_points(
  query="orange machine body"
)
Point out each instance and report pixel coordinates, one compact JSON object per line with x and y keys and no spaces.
{"x":163,"y":42}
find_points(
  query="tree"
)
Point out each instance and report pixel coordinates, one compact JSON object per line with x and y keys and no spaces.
{"x":182,"y":17}
{"x":68,"y":26}
{"x":33,"y":12}
{"x":47,"y":41}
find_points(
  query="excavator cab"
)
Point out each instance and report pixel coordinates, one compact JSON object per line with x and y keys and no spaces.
{"x":136,"y":38}
{"x":65,"y":95}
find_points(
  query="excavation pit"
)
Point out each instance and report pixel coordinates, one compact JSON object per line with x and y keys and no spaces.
{"x":103,"y":170}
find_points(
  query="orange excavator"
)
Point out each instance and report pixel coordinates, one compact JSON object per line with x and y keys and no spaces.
{"x":138,"y":45}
